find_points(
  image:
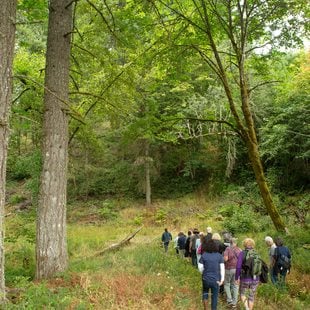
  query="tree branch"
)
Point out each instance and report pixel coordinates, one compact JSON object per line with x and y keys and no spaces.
{"x":21,"y":93}
{"x":66,"y":108}
{"x":206,"y":120}
{"x":262,"y":84}
{"x":120,"y":244}
{"x":103,"y":18}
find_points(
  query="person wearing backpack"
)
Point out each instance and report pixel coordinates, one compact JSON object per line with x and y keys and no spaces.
{"x":230,"y":258}
{"x":247,"y":273}
{"x":282,"y":262}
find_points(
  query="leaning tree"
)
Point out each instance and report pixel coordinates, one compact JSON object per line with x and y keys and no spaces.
{"x":225,"y":34}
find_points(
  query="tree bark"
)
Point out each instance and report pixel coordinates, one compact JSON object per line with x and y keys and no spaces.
{"x":148,"y":189}
{"x":7,"y":40}
{"x":51,"y":237}
{"x":250,"y":138}
{"x":263,"y":186}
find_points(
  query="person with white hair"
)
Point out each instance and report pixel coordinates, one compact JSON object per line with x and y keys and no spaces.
{"x":208,"y":236}
{"x":271,"y":252}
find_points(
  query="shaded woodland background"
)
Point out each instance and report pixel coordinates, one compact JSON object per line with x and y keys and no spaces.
{"x":152,"y":136}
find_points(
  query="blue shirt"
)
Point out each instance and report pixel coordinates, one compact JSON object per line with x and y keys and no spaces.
{"x":166,"y":237}
{"x":181,"y":242}
{"x":211,"y":263}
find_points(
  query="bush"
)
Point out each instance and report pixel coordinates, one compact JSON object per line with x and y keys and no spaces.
{"x":27,"y":167}
{"x":19,"y":261}
{"x":241,"y":219}
{"x":160,"y":216}
{"x":15,"y":199}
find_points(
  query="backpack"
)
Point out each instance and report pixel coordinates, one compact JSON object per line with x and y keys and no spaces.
{"x":251,"y":264}
{"x":263,"y":278}
{"x":283,"y":261}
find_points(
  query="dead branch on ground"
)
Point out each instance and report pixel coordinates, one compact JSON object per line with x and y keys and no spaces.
{"x":117,"y":246}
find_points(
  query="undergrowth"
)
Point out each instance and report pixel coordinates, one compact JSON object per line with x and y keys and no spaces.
{"x":141,"y":276}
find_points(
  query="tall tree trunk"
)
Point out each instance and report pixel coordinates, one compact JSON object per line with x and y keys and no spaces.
{"x":51,"y":243}
{"x":148,"y":189}
{"x":7,"y":39}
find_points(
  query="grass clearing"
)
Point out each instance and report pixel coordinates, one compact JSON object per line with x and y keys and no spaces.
{"x":138,"y":276}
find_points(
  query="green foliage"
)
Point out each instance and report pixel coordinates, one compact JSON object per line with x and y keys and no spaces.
{"x":285,"y":134}
{"x":241,"y":219}
{"x":16,"y":198}
{"x":27,"y":168}
{"x":18,"y":226}
{"x":159,"y":276}
{"x":40,"y":296}
{"x":138,"y":220}
{"x":108,"y":210}
{"x":161,"y":216}
{"x":19,"y":260}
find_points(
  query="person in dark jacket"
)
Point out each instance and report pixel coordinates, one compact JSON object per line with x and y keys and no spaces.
{"x":192,"y":247}
{"x":282,"y":258}
{"x":181,"y":244}
{"x":166,"y":238}
{"x":188,"y":239}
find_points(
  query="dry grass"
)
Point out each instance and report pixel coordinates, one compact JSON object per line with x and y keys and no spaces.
{"x":116,"y":281}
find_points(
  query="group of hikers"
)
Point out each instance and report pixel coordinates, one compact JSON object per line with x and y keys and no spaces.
{"x":227,"y":268}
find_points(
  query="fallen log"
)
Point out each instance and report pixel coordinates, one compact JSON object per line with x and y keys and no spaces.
{"x":120,"y":244}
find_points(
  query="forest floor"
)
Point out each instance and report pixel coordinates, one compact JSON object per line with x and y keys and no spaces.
{"x":137,"y":276}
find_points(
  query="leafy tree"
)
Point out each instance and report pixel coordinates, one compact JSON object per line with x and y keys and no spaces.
{"x":285,"y":134}
{"x":225,"y":34}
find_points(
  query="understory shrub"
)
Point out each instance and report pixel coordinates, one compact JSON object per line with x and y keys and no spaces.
{"x":108,"y":211}
{"x":27,"y":168}
{"x":19,"y":261}
{"x":241,"y":219}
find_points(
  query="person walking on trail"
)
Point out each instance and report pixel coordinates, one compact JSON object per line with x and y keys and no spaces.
{"x":187,"y":243}
{"x":175,"y":242}
{"x":181,"y":244}
{"x":271,"y":252}
{"x":166,"y":238}
{"x":199,"y":245}
{"x":221,"y":248}
{"x":208,"y":236}
{"x":244,"y":276}
{"x":192,"y":246}
{"x":231,"y":288}
{"x":211,"y":265}
{"x":282,"y":262}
